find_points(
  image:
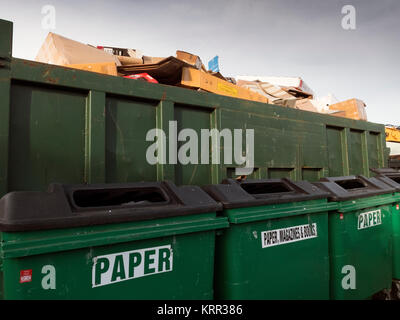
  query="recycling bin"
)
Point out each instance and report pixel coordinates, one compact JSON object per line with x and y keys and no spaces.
{"x":147,"y":240}
{"x":276,"y":246}
{"x":392,"y":178}
{"x":360,"y":237}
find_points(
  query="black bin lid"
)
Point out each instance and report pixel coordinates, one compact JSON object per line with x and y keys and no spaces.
{"x":64,"y":206}
{"x":238,"y":194}
{"x":353,"y":187}
{"x":388,"y":175}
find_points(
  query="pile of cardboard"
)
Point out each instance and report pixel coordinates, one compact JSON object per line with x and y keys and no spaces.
{"x":187,"y":70}
{"x":293,"y":92}
{"x":65,"y":52}
{"x":352,"y":109}
{"x":184,"y":69}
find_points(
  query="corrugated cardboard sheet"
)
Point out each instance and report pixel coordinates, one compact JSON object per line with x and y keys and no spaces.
{"x":198,"y":79}
{"x":352,"y":109}
{"x":105,"y":68}
{"x":295,"y":82}
{"x":166,"y":71}
{"x":63,"y":51}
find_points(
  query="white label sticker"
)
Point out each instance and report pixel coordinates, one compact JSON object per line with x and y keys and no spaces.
{"x":369,"y":219}
{"x":122,"y":266}
{"x":287,"y":235}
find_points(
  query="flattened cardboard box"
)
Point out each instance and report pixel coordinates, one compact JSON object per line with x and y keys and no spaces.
{"x":105,"y":68}
{"x":306,"y":105}
{"x":62,"y":51}
{"x":295,"y":82}
{"x":192,"y":59}
{"x":352,"y":108}
{"x":266,"y":89}
{"x":198,"y":79}
{"x":166,"y":71}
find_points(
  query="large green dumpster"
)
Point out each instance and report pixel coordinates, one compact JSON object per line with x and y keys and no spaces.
{"x":98,"y":124}
{"x":277,"y":244}
{"x":392,"y":178}
{"x":131,"y":241}
{"x":360,"y":236}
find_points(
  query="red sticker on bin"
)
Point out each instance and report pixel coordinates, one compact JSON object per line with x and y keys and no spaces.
{"x":397,"y":206}
{"x":25,"y":276}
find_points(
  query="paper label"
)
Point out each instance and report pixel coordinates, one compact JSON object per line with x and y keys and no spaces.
{"x":288,"y":235}
{"x":369,"y":219}
{"x":122,"y":266}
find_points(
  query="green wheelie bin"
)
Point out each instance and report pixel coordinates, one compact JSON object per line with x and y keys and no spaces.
{"x":276,"y":246}
{"x":392,"y":178}
{"x":145,"y":240}
{"x":360,"y":236}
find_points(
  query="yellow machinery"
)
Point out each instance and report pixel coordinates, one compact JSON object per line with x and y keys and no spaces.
{"x":392,"y":134}
{"x":393,"y":143}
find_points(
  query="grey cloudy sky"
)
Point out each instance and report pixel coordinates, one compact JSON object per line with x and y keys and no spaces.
{"x":272,"y":38}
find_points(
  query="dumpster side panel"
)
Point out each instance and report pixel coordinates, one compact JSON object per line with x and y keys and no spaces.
{"x":127,"y":123}
{"x":278,"y":173}
{"x":283,"y":147}
{"x":374,"y":154}
{"x":312,"y":174}
{"x":355,"y":153}
{"x":197,"y":119}
{"x":6,"y":39}
{"x":66,"y":110}
{"x":6,"y":33}
{"x":47,"y":137}
{"x":337,"y":155}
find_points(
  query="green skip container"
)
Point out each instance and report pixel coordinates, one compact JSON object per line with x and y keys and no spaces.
{"x":115,"y":241}
{"x":360,"y":236}
{"x":392,"y":178}
{"x":276,"y":246}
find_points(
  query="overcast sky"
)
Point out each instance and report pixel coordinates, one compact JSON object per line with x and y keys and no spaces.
{"x":251,"y":37}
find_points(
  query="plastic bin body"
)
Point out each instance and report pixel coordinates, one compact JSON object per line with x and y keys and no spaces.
{"x":161,"y":258}
{"x":392,"y":178}
{"x":368,"y":251}
{"x":273,"y":251}
{"x":396,"y":237}
{"x":294,"y":270}
{"x":360,"y":238}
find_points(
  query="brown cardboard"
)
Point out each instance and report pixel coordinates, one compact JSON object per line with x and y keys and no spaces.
{"x":268,"y":89}
{"x":218,"y":75}
{"x":187,"y":57}
{"x":305,"y":104}
{"x":59,"y":50}
{"x":105,"y":68}
{"x":129,"y":60}
{"x":297,"y":93}
{"x":295,"y":82}
{"x":166,"y":71}
{"x":352,"y":109}
{"x":273,"y":93}
{"x":198,"y":79}
{"x":152,"y":60}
